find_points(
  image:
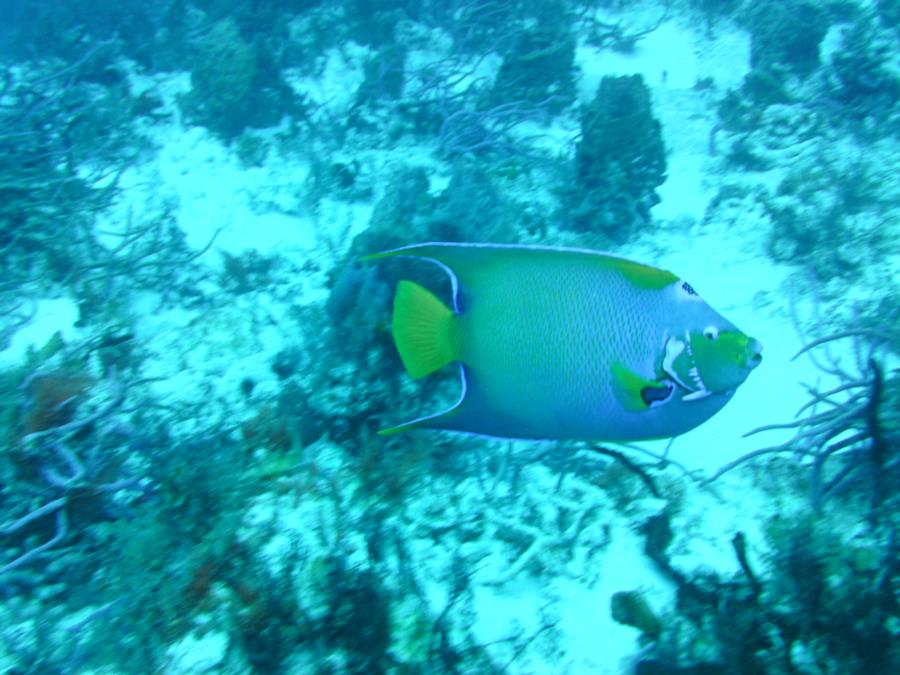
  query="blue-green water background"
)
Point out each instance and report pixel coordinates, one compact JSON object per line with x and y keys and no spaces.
{"x":193,"y":365}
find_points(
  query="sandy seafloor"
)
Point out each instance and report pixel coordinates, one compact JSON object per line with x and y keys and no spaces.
{"x":723,"y":256}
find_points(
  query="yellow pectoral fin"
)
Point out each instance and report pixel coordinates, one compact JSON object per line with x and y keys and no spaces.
{"x":426,"y":331}
{"x":637,"y":393}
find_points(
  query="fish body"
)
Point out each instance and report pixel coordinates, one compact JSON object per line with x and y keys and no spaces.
{"x":561,"y":343}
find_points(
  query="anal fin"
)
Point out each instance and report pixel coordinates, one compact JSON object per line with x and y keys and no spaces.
{"x":433,"y":421}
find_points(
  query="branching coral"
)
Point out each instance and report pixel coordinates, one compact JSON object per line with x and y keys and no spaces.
{"x":825,"y":603}
{"x":539,"y":65}
{"x":55,"y":482}
{"x":148,"y":253}
{"x":479,"y":131}
{"x":64,"y":143}
{"x":819,"y":595}
{"x":46,"y":204}
{"x":845,"y":433}
{"x":476,"y":25}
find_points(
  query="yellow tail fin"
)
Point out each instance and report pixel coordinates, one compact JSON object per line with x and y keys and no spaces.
{"x":426,"y":331}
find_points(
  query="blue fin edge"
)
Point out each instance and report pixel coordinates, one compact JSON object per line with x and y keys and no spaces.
{"x":423,"y":422}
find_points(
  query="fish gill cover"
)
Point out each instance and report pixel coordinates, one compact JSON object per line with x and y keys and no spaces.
{"x":195,"y":362}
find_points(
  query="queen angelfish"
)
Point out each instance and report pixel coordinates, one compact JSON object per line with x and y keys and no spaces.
{"x":557,"y":343}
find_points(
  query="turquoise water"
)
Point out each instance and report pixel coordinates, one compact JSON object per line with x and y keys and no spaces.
{"x":195,"y":362}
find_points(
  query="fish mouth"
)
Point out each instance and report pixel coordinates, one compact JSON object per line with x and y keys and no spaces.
{"x":754,"y":354}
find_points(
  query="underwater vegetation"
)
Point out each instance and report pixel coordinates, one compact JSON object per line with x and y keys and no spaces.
{"x":539,"y":64}
{"x":826,"y":595}
{"x":183,"y":497}
{"x":852,"y":425}
{"x":235,"y":84}
{"x":45,"y":134}
{"x":620,"y":161}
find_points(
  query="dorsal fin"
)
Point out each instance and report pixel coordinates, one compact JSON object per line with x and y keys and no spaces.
{"x":642,"y":276}
{"x":464,"y":262}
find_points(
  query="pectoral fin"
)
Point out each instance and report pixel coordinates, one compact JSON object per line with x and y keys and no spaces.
{"x":637,"y":393}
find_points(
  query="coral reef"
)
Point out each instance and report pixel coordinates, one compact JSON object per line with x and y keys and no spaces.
{"x":619,"y":163}
{"x":824,"y":603}
{"x":405,"y":207}
{"x":786,"y":35}
{"x":45,"y":136}
{"x":828,"y":198}
{"x":192,"y":478}
{"x":222,"y":80}
{"x":539,"y":66}
{"x":235,"y":84}
{"x":39,"y":30}
{"x":70,"y":466}
{"x":863,"y":80}
{"x":471,"y":208}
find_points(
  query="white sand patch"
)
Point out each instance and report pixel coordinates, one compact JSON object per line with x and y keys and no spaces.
{"x":687,"y":69}
{"x":41,"y":320}
{"x":596,"y":643}
{"x":216,"y":194}
{"x":332,"y":91}
{"x":673,"y":55}
{"x":197,"y":360}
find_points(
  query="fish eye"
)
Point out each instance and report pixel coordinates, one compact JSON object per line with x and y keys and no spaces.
{"x":711,"y":332}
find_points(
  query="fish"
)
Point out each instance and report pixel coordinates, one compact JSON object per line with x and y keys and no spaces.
{"x":557,"y":343}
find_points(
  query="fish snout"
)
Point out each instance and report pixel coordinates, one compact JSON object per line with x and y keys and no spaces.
{"x":754,"y":354}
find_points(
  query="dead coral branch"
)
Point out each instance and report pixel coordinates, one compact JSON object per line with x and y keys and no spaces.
{"x":840,"y":432}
